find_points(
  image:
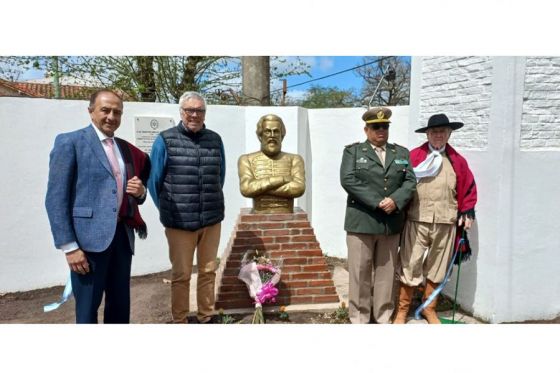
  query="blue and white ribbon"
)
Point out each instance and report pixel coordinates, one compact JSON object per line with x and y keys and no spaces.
{"x":438,"y":290}
{"x":430,"y":166}
{"x":65,"y":296}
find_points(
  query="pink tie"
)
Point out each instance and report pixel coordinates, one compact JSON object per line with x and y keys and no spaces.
{"x":110,"y":150}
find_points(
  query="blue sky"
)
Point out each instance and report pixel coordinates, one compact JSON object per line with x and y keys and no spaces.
{"x":321,"y":66}
{"x":325,"y":65}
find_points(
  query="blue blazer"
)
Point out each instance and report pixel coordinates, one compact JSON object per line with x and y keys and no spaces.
{"x":81,"y":196}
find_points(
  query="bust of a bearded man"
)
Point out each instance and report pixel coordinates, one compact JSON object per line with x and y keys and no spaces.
{"x":271,"y":177}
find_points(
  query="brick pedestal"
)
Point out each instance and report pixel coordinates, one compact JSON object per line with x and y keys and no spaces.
{"x":305,"y":276}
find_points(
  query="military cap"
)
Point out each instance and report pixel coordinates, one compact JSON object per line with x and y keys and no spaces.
{"x":377,"y":115}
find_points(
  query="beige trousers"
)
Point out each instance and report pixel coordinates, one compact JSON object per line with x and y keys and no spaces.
{"x":182,"y":245}
{"x":437,"y":239}
{"x":372,"y":261}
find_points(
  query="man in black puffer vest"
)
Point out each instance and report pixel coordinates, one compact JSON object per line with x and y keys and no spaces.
{"x":188,"y":171}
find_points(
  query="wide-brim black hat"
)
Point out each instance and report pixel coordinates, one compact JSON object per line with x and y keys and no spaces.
{"x":439,"y":120}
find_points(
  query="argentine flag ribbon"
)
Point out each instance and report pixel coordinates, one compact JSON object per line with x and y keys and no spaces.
{"x":65,"y":296}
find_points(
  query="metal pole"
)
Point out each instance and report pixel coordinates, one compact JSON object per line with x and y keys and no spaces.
{"x":284,"y":91}
{"x":375,"y":91}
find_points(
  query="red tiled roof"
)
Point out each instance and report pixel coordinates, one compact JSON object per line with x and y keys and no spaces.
{"x":46,"y":90}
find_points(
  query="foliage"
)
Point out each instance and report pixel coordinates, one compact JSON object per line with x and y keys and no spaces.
{"x":225,"y":319}
{"x":10,"y":69}
{"x":328,"y":97}
{"x":391,"y":92}
{"x":282,"y":314}
{"x":340,"y":315}
{"x":153,"y":78}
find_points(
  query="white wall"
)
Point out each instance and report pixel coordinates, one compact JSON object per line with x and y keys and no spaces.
{"x":541,"y":104}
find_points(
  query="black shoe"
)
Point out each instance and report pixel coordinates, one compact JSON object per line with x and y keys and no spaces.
{"x":214,"y":319}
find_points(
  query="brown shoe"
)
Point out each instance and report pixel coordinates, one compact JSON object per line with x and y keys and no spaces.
{"x":405,"y":297}
{"x":429,"y":312}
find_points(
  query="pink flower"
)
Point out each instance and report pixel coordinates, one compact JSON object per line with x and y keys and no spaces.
{"x":268,"y":293}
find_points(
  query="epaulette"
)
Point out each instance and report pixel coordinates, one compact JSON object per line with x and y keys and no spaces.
{"x":400,"y":146}
{"x":349,"y":145}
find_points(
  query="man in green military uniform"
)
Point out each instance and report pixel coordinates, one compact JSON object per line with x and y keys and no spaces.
{"x":379,"y":180}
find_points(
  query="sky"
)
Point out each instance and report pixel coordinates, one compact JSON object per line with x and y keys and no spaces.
{"x":325,"y":65}
{"x":321,"y":66}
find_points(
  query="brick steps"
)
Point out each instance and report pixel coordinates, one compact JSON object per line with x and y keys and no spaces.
{"x":290,"y":238}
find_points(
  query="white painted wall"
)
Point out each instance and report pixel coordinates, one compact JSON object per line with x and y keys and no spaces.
{"x":541,"y":104}
{"x":513,"y":275}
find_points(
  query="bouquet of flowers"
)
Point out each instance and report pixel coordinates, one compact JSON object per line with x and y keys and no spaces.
{"x":260,"y":275}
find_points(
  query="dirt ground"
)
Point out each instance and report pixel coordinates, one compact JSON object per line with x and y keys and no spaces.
{"x":151,"y":304}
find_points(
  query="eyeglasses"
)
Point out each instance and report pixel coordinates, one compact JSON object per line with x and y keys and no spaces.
{"x":377,"y":126}
{"x":192,"y":111}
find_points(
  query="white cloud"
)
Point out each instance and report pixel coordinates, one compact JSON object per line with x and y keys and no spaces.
{"x":325,"y":64}
{"x":297,"y":94}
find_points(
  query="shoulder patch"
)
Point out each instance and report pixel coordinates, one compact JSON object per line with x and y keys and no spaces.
{"x":400,"y":146}
{"x":349,"y":145}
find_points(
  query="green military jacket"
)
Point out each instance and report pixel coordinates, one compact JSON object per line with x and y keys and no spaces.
{"x":367,"y":182}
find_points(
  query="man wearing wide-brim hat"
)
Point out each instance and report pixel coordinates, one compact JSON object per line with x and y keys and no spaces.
{"x":443,"y":204}
{"x":379,"y":180}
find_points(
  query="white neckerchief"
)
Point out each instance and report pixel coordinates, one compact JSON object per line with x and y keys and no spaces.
{"x":431,"y":165}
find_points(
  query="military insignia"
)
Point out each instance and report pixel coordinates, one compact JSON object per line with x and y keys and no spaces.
{"x":361,"y":160}
{"x":364,"y":149}
{"x":393,"y":150}
{"x":401,"y":161}
{"x":380,"y":114}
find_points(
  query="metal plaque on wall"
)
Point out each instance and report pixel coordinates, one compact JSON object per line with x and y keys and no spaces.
{"x":146,"y":130}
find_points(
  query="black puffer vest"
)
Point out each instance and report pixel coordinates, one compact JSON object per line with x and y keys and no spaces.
{"x":191,"y":196}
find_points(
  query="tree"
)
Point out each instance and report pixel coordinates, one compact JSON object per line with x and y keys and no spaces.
{"x":13,"y":67}
{"x":9,"y":69}
{"x":158,"y":78}
{"x":328,"y":97}
{"x":395,"y":88}
{"x":154,"y":78}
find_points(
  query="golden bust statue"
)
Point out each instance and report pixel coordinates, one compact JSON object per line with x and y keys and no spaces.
{"x":271,"y":177}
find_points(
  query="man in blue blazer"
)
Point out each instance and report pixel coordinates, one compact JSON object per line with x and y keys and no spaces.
{"x":96,"y":182}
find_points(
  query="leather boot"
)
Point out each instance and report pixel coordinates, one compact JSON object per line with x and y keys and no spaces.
{"x":429,"y":312}
{"x":405,"y":297}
